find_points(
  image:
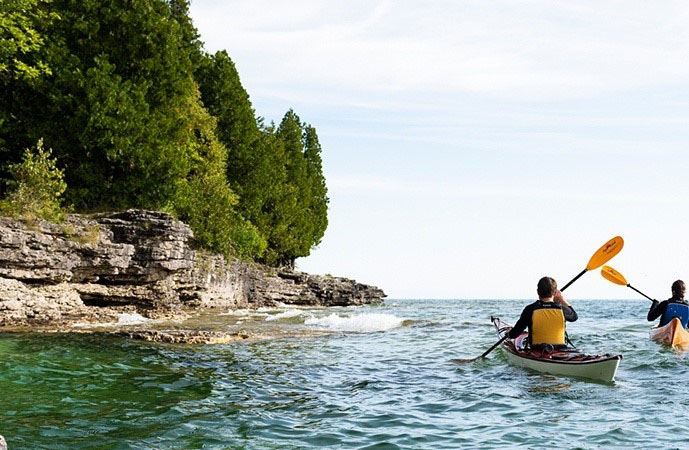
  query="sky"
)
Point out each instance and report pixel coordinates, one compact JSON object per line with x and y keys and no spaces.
{"x":472,"y":147}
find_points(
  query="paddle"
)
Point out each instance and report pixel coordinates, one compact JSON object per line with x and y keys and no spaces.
{"x":611,"y":274}
{"x":602,"y":255}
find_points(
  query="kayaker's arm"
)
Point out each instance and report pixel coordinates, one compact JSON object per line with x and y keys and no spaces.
{"x":521,"y":324}
{"x":657,"y":310}
{"x":569,"y":313}
{"x":567,"y":310}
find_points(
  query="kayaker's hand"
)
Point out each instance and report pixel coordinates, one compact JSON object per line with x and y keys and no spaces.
{"x":558,"y":298}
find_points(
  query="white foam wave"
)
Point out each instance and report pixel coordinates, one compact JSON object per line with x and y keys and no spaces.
{"x":278,"y":305}
{"x":362,"y":323}
{"x":243,"y":312}
{"x":131,"y":319}
{"x":236,"y":312}
{"x":284,"y":315}
{"x":123,"y":319}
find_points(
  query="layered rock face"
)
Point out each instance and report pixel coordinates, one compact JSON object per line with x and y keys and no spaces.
{"x":92,"y":268}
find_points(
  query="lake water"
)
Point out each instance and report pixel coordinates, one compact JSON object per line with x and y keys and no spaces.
{"x":368,"y":377}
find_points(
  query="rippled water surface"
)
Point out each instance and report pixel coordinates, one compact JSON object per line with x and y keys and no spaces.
{"x":373,"y":377}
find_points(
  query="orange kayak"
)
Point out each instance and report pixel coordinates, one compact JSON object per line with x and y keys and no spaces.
{"x":672,"y":334}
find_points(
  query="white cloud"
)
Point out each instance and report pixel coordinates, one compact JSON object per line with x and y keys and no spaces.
{"x":362,"y":185}
{"x":527,"y":50}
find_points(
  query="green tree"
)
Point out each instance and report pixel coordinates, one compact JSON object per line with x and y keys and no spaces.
{"x":257,"y":167}
{"x":318,"y":191}
{"x":113,"y":107}
{"x":204,"y":199}
{"x":277,"y":200}
{"x":19,"y":39}
{"x":20,"y":64}
{"x":295,"y":242}
{"x":301,"y":208}
{"x":224,"y":96}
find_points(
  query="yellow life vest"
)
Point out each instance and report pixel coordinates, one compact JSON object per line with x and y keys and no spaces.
{"x":547,"y":326}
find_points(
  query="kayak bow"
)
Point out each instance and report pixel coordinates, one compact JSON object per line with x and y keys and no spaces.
{"x":569,"y":362}
{"x":672,"y":334}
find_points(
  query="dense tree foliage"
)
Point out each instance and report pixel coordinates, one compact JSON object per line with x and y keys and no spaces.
{"x":20,"y":61}
{"x":205,"y":200}
{"x":115,"y":109}
{"x":225,"y":98}
{"x":139,"y":115}
{"x":19,"y":39}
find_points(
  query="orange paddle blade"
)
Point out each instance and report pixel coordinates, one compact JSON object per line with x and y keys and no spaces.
{"x":606,"y":252}
{"x":611,"y":274}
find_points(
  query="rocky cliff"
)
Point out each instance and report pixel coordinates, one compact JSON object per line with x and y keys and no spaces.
{"x":96,"y":267}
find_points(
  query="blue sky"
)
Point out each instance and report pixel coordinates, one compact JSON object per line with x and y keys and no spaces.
{"x":471,"y":147}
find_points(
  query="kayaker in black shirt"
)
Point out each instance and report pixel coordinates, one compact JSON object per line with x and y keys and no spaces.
{"x":672,"y":307}
{"x":545,"y":318}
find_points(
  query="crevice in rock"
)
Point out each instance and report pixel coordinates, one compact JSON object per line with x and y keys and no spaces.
{"x":103,"y":302}
{"x":36,"y":283}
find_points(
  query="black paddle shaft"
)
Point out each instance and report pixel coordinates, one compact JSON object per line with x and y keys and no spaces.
{"x":574,"y":279}
{"x":630,"y":286}
{"x":494,"y":345}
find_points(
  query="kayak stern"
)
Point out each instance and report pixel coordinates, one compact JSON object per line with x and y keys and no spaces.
{"x":672,"y":334}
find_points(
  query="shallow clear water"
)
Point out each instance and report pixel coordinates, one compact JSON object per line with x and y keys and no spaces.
{"x":352,"y":387}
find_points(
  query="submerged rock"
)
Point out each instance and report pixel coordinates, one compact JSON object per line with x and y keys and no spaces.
{"x":90,"y":269}
{"x":185,"y":336}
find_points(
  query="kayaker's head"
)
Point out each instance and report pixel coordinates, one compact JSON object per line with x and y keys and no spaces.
{"x":678,"y":289}
{"x":546,"y":287}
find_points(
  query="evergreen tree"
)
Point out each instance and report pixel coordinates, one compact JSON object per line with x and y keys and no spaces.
{"x":318,"y":198}
{"x":20,"y":64}
{"x":113,"y":107}
{"x":204,"y":199}
{"x":302,"y":208}
{"x":224,"y":96}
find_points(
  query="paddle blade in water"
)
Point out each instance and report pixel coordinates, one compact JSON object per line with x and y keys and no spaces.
{"x":463,"y":361}
{"x":606,"y":253}
{"x":611,"y":274}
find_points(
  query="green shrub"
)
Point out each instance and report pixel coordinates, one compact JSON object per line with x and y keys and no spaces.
{"x":36,"y":187}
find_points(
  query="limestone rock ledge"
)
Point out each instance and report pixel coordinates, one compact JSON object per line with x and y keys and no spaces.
{"x":92,"y":268}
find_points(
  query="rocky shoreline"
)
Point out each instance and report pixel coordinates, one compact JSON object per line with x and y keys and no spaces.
{"x":91,"y":269}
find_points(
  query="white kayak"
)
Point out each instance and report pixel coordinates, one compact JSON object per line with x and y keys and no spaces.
{"x":568,"y":362}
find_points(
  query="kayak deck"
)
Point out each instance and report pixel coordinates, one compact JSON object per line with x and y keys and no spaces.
{"x":672,"y":334}
{"x":568,"y":362}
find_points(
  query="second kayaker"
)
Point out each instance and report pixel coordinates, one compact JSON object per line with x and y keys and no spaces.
{"x":675,"y":306}
{"x":545,"y":318}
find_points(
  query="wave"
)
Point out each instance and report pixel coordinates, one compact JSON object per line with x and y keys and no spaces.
{"x":131,"y":319}
{"x":284,"y":315}
{"x":361,"y":323}
{"x":244,"y":312}
{"x":123,"y":319}
{"x":263,"y":311}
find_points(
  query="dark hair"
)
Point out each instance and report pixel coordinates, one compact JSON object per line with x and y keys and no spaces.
{"x":678,"y":289}
{"x":546,"y":287}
